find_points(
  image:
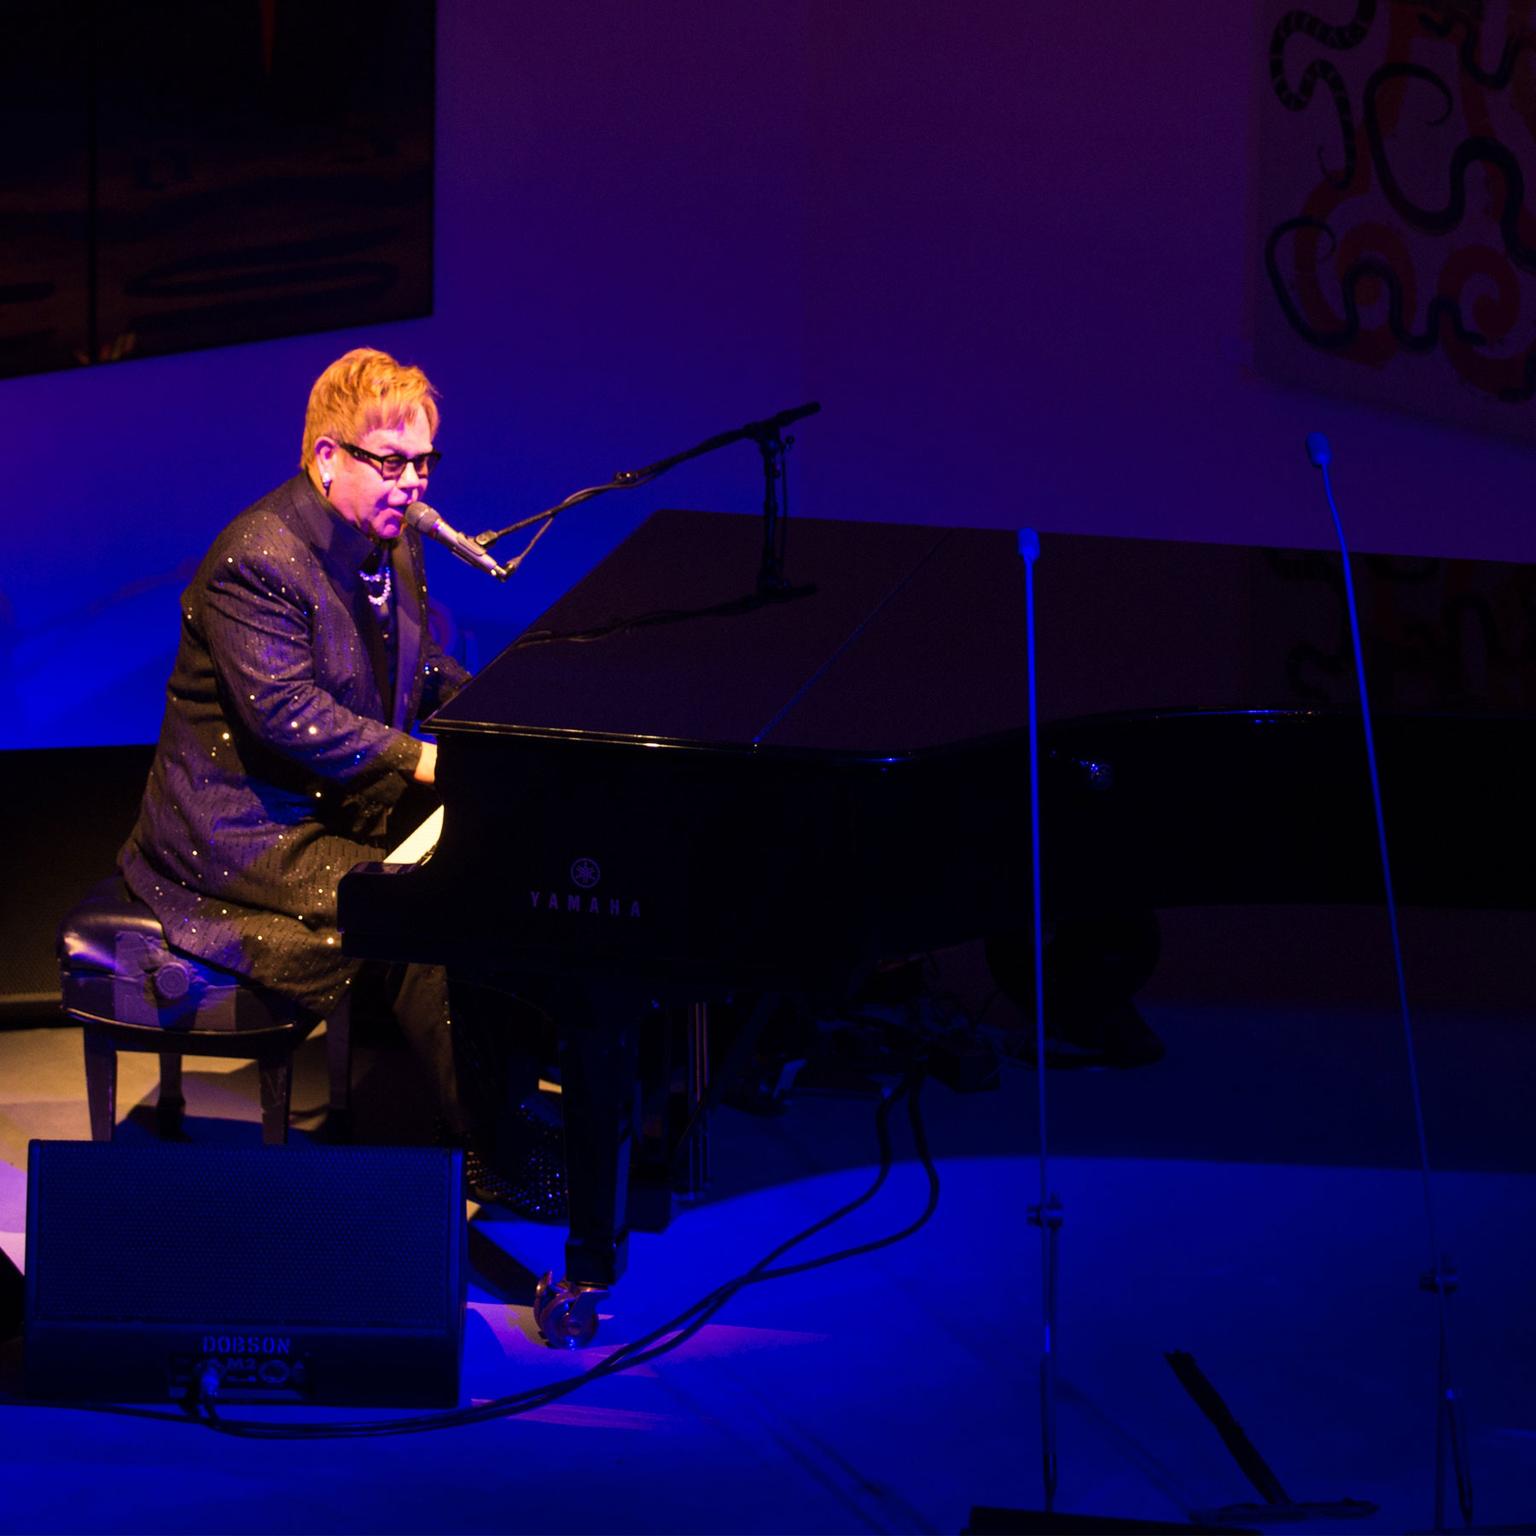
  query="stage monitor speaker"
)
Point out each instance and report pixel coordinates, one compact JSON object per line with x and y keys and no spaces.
{"x":295,"y":1274}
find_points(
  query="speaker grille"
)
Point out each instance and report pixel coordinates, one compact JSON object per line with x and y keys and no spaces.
{"x":332,"y":1237}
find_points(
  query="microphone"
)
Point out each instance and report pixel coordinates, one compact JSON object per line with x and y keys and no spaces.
{"x":775,"y":424}
{"x":429,"y":521}
{"x":1319,"y":450}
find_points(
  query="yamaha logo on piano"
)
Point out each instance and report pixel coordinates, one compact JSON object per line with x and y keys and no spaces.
{"x":585,"y":873}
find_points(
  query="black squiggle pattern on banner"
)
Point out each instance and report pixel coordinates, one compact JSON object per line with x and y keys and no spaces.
{"x":1339,"y":38}
{"x":1480,"y":149}
{"x":1499,"y":77}
{"x":1442,"y":310}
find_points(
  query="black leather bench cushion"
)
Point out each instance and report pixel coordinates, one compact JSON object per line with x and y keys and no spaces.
{"x":115,"y":965}
{"x":88,"y":935}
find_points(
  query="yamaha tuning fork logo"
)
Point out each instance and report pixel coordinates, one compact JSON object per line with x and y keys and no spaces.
{"x":580,"y":896}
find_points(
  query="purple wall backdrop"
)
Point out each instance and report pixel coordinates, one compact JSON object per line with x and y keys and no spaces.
{"x":1006,"y":244}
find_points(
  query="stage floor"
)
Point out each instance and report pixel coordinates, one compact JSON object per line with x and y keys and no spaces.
{"x":1251,"y":1199}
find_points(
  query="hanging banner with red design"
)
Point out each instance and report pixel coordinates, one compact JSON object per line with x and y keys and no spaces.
{"x":1397,"y":154}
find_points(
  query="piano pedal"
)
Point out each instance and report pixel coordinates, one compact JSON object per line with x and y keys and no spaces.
{"x":564,"y":1312}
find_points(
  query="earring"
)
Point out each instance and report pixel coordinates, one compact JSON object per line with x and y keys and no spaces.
{"x":325,"y":485}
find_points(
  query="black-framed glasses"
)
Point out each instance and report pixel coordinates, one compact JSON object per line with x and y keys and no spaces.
{"x":392,"y":465}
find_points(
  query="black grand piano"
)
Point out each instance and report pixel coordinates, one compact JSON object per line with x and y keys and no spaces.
{"x":676,"y":788}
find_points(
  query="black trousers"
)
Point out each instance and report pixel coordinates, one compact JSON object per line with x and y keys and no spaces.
{"x":483,"y":1052}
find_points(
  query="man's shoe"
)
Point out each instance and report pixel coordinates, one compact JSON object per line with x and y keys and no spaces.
{"x":528,"y":1175}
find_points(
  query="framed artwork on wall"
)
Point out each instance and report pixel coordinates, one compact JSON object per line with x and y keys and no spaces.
{"x":1396,"y":237}
{"x":187,"y":175}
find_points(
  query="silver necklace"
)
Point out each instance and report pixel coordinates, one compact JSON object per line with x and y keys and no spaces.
{"x":377,"y":585}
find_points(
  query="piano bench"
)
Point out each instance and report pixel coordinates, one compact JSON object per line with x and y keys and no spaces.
{"x":130,"y":991}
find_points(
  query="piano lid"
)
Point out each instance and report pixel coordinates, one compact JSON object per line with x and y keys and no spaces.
{"x":907,"y":638}
{"x":914,"y":637}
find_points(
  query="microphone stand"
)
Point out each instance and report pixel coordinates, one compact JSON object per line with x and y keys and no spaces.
{"x":1451,"y":1440}
{"x":1048,"y":1215}
{"x":771,"y":442}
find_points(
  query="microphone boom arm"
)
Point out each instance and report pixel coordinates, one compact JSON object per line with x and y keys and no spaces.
{"x":765,"y":433}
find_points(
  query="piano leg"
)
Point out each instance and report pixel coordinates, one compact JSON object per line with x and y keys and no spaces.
{"x":599,"y":1033}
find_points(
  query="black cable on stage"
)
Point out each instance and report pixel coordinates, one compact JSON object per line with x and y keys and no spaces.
{"x":650,"y":1346}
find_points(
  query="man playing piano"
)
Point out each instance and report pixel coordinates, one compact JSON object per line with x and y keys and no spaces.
{"x":304,"y":663}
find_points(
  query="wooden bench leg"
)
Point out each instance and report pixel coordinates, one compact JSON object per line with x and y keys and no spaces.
{"x":276,"y":1095}
{"x":170,"y":1105}
{"x":100,"y":1084}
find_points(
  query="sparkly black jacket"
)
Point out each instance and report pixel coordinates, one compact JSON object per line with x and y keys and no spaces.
{"x":279,"y":758}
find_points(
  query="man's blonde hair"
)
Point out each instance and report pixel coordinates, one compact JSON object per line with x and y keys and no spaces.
{"x":360,"y":391}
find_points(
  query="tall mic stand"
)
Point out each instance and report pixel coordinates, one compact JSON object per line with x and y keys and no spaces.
{"x":769,"y":437}
{"x":1047,"y":1214}
{"x":770,"y":577}
{"x":1440,"y":1278}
